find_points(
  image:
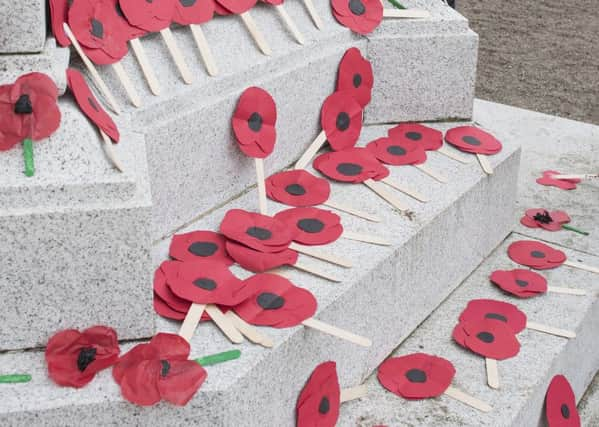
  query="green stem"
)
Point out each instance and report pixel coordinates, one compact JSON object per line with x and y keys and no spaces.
{"x":576,"y":230}
{"x":28,"y":156}
{"x":15,"y":378}
{"x":213,"y":359}
{"x":397,"y":4}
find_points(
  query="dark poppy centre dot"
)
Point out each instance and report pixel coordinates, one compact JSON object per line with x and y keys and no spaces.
{"x":23,"y":105}
{"x":295,"y":190}
{"x":470,"y":140}
{"x":166,"y":367}
{"x":414,"y":136}
{"x":97,"y":29}
{"x":396,"y":150}
{"x":521,"y":283}
{"x":310,"y":225}
{"x":565,"y":410}
{"x":203,"y":249}
{"x":343,"y":121}
{"x":86,"y":356}
{"x":324,"y":405}
{"x":270,"y":301}
{"x":496,"y":316}
{"x":543,"y":218}
{"x":255,"y":122}
{"x":416,"y":376}
{"x":93,"y":104}
{"x":206,"y":284}
{"x":187,"y":3}
{"x":357,"y":7}
{"x":259,"y":233}
{"x":357,"y":81}
{"x":537,"y":254}
{"x":486,"y":337}
{"x":349,"y":169}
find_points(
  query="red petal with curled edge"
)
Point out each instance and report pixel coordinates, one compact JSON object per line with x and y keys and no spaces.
{"x":341,"y":120}
{"x":314,"y":226}
{"x":560,"y":404}
{"x":416,"y":376}
{"x":488,"y":338}
{"x":182,"y":380}
{"x":260,"y":262}
{"x":10,"y":123}
{"x":260,"y":232}
{"x":396,"y":152}
{"x":273,"y":2}
{"x":199,"y":245}
{"x":352,"y":165}
{"x":319,"y":400}
{"x":226,"y":7}
{"x":161,"y":288}
{"x":360,"y":16}
{"x":254,"y":122}
{"x":139,"y":383}
{"x":276,"y":302}
{"x":355,"y":76}
{"x":519,"y":282}
{"x":428,"y":138}
{"x":189,"y":12}
{"x":471,"y":139}
{"x":149,"y":16}
{"x":298,"y":188}
{"x":564,"y":184}
{"x":535,"y":254}
{"x":480,"y":309}
{"x":59,"y":10}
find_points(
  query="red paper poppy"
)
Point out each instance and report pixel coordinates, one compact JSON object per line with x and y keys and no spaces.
{"x":59,"y":10}
{"x":276,"y":302}
{"x":352,"y":165}
{"x":159,"y":370}
{"x":428,"y":138}
{"x":535,"y":254}
{"x":254,"y":123}
{"x":416,"y":376}
{"x":521,"y":283}
{"x":227,"y":7}
{"x":396,"y":152}
{"x":151,"y":16}
{"x":341,"y":120}
{"x":74,"y":358}
{"x":488,"y":338}
{"x":164,"y":310}
{"x":355,"y":76}
{"x":560,"y":404}
{"x":298,"y":188}
{"x":260,"y":232}
{"x":189,"y":12}
{"x":89,"y":104}
{"x":199,"y":245}
{"x":127,"y":30}
{"x":314,"y":226}
{"x":564,"y":184}
{"x":319,"y":400}
{"x":552,"y":221}
{"x":471,"y":139}
{"x":360,"y":16}
{"x":28,"y":109}
{"x":480,"y":309}
{"x":98,"y":29}
{"x":257,"y":261}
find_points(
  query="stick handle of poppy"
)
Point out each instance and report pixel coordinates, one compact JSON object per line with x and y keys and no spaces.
{"x":224,"y":324}
{"x":15,"y":378}
{"x":581,"y":266}
{"x":337,"y":332}
{"x":308,"y":268}
{"x":28,"y":157}
{"x":189,"y":325}
{"x":289,"y":23}
{"x":146,"y":68}
{"x":108,"y":149}
{"x":485,"y":164}
{"x":366,"y":238}
{"x":314,"y":253}
{"x":469,"y":400}
{"x":313,"y":14}
{"x":249,"y":331}
{"x":434,"y":175}
{"x":406,"y":13}
{"x":576,"y":176}
{"x":350,"y":210}
{"x":574,"y":229}
{"x":217,"y":358}
{"x":492,"y":373}
{"x":204,"y":48}
{"x":126,"y":82}
{"x":568,"y":291}
{"x":311,"y":151}
{"x":353,"y":393}
{"x":260,"y":179}
{"x":453,"y":155}
{"x":407,"y":191}
{"x":177,"y":55}
{"x":256,"y":34}
{"x":539,"y":327}
{"x":384,"y":194}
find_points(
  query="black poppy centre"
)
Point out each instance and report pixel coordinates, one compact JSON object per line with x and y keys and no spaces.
{"x":93,"y":104}
{"x":259,"y":233}
{"x":255,"y":122}
{"x":357,"y":7}
{"x":343,"y":121}
{"x":97,"y":29}
{"x":486,"y":337}
{"x":295,"y":190}
{"x":270,"y":301}
{"x":396,"y":150}
{"x":416,"y":376}
{"x":470,"y":140}
{"x":565,"y":410}
{"x":187,"y":3}
{"x":166,"y":367}
{"x":496,"y":316}
{"x":203,"y":249}
{"x":357,"y":80}
{"x":310,"y":225}
{"x":544,"y":217}
{"x":537,"y":254}
{"x":349,"y":169}
{"x":206,"y":284}
{"x":324,"y":405}
{"x":86,"y":356}
{"x":414,"y":136}
{"x":23,"y":105}
{"x":521,"y":283}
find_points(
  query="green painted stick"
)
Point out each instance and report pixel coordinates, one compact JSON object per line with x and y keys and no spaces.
{"x":214,"y":359}
{"x":576,"y":230}
{"x":15,"y":378}
{"x":397,"y":4}
{"x":28,"y":156}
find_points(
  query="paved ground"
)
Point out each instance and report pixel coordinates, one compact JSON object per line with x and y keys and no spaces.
{"x":539,"y":55}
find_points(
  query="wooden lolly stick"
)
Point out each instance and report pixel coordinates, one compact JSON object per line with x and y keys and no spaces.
{"x":569,"y":291}
{"x":177,"y":55}
{"x":337,"y":332}
{"x":406,"y":13}
{"x":204,"y":48}
{"x":469,"y":400}
{"x":255,"y":33}
{"x":311,"y":151}
{"x":313,"y":14}
{"x":314,"y":253}
{"x":224,"y":324}
{"x":249,"y":331}
{"x":146,"y":68}
{"x":366,"y":238}
{"x":348,"y":209}
{"x":408,"y":192}
{"x":550,"y":330}
{"x":289,"y":23}
{"x":581,"y":266}
{"x":384,"y":194}
{"x":110,"y":151}
{"x":492,"y":373}
{"x":126,"y":82}
{"x":279,"y":272}
{"x":308,"y":268}
{"x":92,"y":70}
{"x":261,"y":186}
{"x":189,"y":325}
{"x":452,"y":155}
{"x":576,"y":176}
{"x":434,"y":175}
{"x":353,"y":393}
{"x":485,"y":164}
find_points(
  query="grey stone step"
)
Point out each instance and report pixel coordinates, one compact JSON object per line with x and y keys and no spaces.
{"x":22,"y":26}
{"x":588,"y":407}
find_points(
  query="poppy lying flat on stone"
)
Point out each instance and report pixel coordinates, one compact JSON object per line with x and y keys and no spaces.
{"x":535,"y":254}
{"x":519,"y":282}
{"x":471,"y":139}
{"x":480,"y":309}
{"x":341,"y":120}
{"x":188,"y":12}
{"x":488,"y":338}
{"x":428,"y":138}
{"x":297,"y":188}
{"x":355,"y":76}
{"x":227,"y":7}
{"x":74,"y":358}
{"x":360,"y":16}
{"x":565,"y":184}
{"x":314,"y":226}
{"x":542,"y":218}
{"x":353,"y":165}
{"x":254,"y":122}
{"x":151,"y":16}
{"x":199,"y":245}
{"x":397,"y":152}
{"x":260,"y":262}
{"x":560,"y":404}
{"x":319,"y":400}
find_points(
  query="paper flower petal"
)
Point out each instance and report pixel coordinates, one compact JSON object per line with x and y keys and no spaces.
{"x":480,"y":309}
{"x":59,"y":10}
{"x":319,"y":400}
{"x":355,"y":76}
{"x":187,"y":12}
{"x":297,"y":188}
{"x":199,"y":245}
{"x":313,"y":226}
{"x":254,"y":122}
{"x":535,"y":254}
{"x":352,"y":165}
{"x":428,"y":138}
{"x":226,"y":7}
{"x":397,"y":152}
{"x":259,"y":232}
{"x":360,"y":16}
{"x":341,"y":120}
{"x":488,"y":338}
{"x":151,"y":16}
{"x":560,"y":404}
{"x":565,"y":184}
{"x":519,"y":282}
{"x":471,"y":139}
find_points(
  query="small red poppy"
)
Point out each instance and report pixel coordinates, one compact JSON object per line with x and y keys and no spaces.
{"x":254,"y":122}
{"x":259,"y":262}
{"x":28,"y":109}
{"x":319,"y":400}
{"x":159,"y":370}
{"x":314,"y":226}
{"x":89,"y":104}
{"x":488,"y":338}
{"x":352,"y":165}
{"x":260,"y":232}
{"x":355,"y":76}
{"x":98,"y":29}
{"x":360,"y":16}
{"x":200,"y":245}
{"x":341,"y":120}
{"x":560,"y":404}
{"x":416,"y":376}
{"x":480,"y":309}
{"x":535,"y":254}
{"x":298,"y":188}
{"x":395,"y":152}
{"x":521,"y":283}
{"x":151,"y":16}
{"x":74,"y":358}
{"x":226,"y":7}
{"x":59,"y":10}
{"x":276,"y":302}
{"x":471,"y":139}
{"x":542,"y":218}
{"x":428,"y":138}
{"x":564,"y":184}
{"x":189,"y":12}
